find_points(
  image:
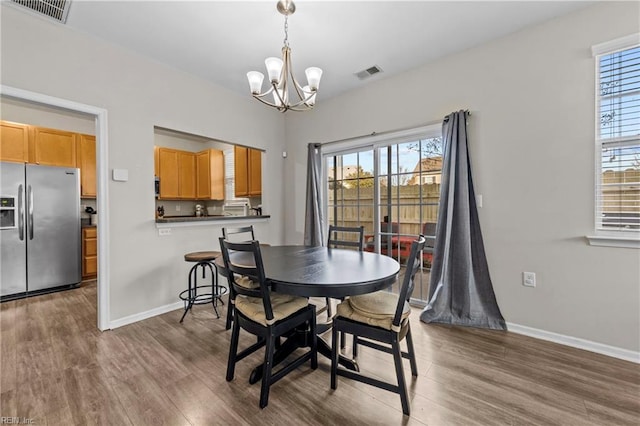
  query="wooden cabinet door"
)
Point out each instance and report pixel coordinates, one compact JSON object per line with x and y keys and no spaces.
{"x":87,"y":164}
{"x":89,"y":253}
{"x":53,"y":147}
{"x":14,"y":142}
{"x":216,"y":166}
{"x":241,"y":171}
{"x":255,"y":172}
{"x":203,"y":171}
{"x":187,"y":174}
{"x":210,"y":174}
{"x":168,"y":173}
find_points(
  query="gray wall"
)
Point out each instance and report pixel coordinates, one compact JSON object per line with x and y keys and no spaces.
{"x":146,"y":271}
{"x":531,"y":136}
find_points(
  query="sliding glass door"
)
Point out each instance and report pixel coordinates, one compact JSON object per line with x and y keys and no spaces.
{"x":392,"y":188}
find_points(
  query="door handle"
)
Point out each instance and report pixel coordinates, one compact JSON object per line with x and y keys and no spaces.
{"x":20,"y":212}
{"x":30,"y":208}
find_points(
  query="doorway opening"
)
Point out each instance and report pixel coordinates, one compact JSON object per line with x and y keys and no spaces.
{"x":39,"y":100}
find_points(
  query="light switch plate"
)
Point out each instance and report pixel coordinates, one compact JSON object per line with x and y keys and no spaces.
{"x":120,"y":175}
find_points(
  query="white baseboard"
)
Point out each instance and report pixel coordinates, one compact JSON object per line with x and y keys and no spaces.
{"x":562,"y":339}
{"x":575,"y":342}
{"x":144,"y":315}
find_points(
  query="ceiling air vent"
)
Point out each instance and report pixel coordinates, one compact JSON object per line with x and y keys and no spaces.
{"x":54,"y":9}
{"x":368,"y":72}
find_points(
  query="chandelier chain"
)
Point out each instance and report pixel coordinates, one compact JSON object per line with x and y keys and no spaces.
{"x":286,"y":31}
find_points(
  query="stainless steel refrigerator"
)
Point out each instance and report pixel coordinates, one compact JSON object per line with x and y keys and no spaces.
{"x":39,"y":229}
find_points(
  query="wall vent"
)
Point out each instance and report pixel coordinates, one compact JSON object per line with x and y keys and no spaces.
{"x":368,"y":72}
{"x":54,"y":9}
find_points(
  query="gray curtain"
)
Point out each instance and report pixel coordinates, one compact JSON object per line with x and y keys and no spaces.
{"x":313,"y":220}
{"x":460,"y":289}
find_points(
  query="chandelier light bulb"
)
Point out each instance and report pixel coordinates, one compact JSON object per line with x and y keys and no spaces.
{"x":308,"y":92}
{"x":313,"y":77}
{"x":274,"y":69}
{"x":255,"y":81}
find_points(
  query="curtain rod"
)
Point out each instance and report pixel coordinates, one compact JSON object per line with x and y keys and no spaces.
{"x":467,"y":112}
{"x":317,"y":145}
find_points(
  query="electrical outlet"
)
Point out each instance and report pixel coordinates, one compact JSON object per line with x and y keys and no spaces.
{"x":529,"y":279}
{"x":178,"y":207}
{"x":164,"y":231}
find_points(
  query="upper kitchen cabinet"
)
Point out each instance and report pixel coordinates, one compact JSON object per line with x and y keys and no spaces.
{"x":177,"y":174}
{"x":86,"y":145}
{"x":248,"y":171}
{"x":168,"y":173}
{"x":186,"y":174}
{"x":14,"y":142}
{"x":255,"y":172}
{"x":50,"y":147}
{"x":210,"y":175}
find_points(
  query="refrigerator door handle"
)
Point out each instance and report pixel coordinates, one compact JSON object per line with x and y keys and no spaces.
{"x":21,"y":212}
{"x":30,"y":208}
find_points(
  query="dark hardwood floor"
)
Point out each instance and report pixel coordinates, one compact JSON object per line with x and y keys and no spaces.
{"x":57,"y":369}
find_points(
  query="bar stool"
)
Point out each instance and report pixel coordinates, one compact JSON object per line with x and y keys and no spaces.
{"x":193,"y":294}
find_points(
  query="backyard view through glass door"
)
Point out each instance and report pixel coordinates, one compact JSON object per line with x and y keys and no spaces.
{"x":393,"y":191}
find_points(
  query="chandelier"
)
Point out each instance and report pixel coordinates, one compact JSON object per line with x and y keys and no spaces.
{"x":287,"y":93}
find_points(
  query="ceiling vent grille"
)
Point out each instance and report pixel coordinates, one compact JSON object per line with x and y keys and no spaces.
{"x":54,"y":9}
{"x":368,"y":72}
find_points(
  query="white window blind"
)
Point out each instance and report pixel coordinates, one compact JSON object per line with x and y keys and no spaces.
{"x":618,"y":140}
{"x":229,"y":175}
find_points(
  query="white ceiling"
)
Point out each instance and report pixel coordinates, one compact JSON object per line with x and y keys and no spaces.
{"x":222,"y":40}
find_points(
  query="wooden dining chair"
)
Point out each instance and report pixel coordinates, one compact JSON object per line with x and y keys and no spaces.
{"x":343,"y":237}
{"x":380,"y":321}
{"x":244,"y":233}
{"x":266,"y":315}
{"x":339,"y":237}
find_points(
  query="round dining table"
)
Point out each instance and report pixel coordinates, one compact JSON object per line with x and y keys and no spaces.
{"x":319,"y":272}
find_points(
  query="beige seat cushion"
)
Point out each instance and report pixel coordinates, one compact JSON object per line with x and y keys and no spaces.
{"x":246,"y":282}
{"x":282,"y":305}
{"x":375,"y":309}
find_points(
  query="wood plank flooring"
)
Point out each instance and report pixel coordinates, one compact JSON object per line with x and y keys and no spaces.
{"x":57,"y":369}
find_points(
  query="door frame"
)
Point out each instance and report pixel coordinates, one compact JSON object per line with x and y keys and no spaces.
{"x":102,"y":198}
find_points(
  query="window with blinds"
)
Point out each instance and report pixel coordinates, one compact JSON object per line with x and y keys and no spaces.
{"x":618,"y":144}
{"x":229,"y":175}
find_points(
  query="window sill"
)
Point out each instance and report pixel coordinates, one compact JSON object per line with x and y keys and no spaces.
{"x":624,"y":241}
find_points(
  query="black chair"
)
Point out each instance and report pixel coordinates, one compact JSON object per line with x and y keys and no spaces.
{"x":249,"y":235}
{"x":264,"y":314}
{"x":380,"y":321}
{"x":339,"y":238}
{"x":244,"y":233}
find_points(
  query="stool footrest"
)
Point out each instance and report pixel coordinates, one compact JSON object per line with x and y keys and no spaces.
{"x":203,"y":298}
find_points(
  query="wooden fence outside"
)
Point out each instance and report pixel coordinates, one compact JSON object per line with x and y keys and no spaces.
{"x":355,"y":207}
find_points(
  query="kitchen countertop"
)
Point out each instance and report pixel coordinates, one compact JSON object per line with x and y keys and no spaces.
{"x":181,"y":219}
